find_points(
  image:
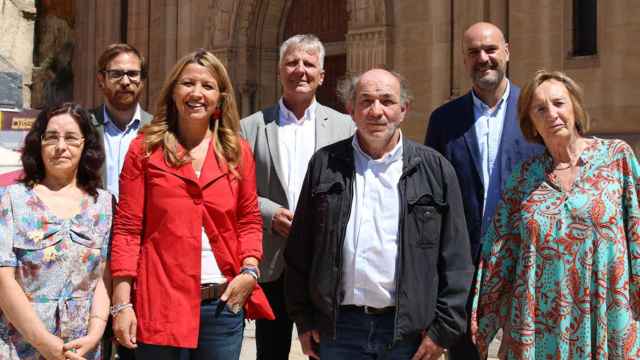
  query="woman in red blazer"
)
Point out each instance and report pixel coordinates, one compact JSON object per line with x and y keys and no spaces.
{"x":188,"y":233}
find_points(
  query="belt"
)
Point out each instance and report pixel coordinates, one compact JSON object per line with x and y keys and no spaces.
{"x":369,"y":310}
{"x":212,"y":291}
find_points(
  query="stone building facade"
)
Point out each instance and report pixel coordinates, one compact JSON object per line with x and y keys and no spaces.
{"x":17,"y":21}
{"x":419,"y":38}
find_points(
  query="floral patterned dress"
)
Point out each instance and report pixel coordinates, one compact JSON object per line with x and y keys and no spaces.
{"x":560,"y":271}
{"x":58,"y":263}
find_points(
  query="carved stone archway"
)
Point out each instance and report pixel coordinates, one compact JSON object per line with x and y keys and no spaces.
{"x":246,"y":34}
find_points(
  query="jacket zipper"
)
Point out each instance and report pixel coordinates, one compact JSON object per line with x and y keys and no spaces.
{"x":403,"y":206}
{"x":398,"y":262}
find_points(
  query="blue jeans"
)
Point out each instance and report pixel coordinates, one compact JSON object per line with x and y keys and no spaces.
{"x":362,"y":336}
{"x":220,"y":338}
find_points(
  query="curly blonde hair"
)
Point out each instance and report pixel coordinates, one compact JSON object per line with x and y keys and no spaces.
{"x":163,"y":129}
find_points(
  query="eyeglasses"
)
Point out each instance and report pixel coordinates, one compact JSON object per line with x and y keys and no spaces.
{"x":53,"y":138}
{"x":117,"y":75}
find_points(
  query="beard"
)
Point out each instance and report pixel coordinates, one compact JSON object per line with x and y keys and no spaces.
{"x":491,"y":80}
{"x":123,"y":100}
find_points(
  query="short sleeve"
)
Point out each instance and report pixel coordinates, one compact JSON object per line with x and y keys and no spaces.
{"x":7,"y":255}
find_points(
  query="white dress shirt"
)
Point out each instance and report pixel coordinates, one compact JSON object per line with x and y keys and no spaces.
{"x":488,"y":126}
{"x":209,"y":270}
{"x":116,"y":145}
{"x":371,"y":240}
{"x":296,"y":143}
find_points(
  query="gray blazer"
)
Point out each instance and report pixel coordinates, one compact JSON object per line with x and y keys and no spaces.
{"x":261,"y":132}
{"x":98,"y":122}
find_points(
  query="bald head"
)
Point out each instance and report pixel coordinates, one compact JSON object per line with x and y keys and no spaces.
{"x":482,"y":29}
{"x":378,"y":110}
{"x":485,"y":54}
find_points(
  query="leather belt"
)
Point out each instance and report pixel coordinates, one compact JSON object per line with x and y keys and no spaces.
{"x":212,"y":291}
{"x":369,"y":310}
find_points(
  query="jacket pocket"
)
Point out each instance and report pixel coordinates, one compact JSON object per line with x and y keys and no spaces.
{"x":325,"y":197}
{"x":426,"y":213}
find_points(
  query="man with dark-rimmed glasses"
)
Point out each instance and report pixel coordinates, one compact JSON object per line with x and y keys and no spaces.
{"x":121,"y":75}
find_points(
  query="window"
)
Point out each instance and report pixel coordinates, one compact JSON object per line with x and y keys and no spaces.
{"x":585,"y":28}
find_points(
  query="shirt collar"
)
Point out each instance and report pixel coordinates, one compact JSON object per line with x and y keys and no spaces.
{"x":134,"y":123}
{"x":288,"y":117}
{"x":393,"y":155}
{"x":480,"y":105}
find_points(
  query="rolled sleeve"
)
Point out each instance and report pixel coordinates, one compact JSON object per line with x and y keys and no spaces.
{"x":128,"y":221}
{"x":249,"y":219}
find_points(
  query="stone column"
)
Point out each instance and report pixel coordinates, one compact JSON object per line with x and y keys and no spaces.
{"x":369,"y":36}
{"x":367,"y":47}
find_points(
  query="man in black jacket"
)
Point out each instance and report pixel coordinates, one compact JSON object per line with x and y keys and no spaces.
{"x":378,"y":260}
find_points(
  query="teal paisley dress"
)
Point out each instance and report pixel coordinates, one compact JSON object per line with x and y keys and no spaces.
{"x":560,"y":270}
{"x":58,"y":263}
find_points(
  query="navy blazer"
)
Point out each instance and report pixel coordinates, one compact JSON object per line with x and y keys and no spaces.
{"x":452,"y":133}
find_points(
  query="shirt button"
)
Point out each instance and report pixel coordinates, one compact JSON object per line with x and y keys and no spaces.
{"x":197,"y":201}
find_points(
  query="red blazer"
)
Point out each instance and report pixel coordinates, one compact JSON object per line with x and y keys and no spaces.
{"x":157,"y":238}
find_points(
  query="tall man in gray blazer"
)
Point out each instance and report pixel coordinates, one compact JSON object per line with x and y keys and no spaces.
{"x":283,"y":138}
{"x":121,"y":74}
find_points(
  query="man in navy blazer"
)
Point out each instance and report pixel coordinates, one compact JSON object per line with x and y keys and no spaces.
{"x":480,"y":135}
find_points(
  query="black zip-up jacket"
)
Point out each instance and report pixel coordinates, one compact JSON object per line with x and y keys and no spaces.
{"x":433,"y":270}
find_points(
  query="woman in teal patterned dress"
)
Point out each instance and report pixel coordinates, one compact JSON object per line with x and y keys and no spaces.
{"x":560,"y":267}
{"x":54,"y":236}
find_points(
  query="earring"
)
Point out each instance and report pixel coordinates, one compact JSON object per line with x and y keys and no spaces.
{"x":217,"y":114}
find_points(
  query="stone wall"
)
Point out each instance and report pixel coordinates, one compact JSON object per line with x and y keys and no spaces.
{"x":17,"y":22}
{"x":420,"y":39}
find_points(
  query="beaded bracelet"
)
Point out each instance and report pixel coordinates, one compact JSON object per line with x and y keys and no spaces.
{"x":116,"y":309}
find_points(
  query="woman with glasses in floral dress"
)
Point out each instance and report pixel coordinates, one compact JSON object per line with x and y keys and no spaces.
{"x":54,"y":238}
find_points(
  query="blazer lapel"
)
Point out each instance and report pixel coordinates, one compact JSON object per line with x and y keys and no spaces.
{"x":323,"y":131}
{"x":470,"y":136}
{"x":184,"y":172}
{"x":271,"y":133}
{"x":513,"y":147}
{"x":212,"y":168}
{"x":97,"y":119}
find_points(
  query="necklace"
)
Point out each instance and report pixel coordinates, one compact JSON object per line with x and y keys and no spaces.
{"x":565,"y":167}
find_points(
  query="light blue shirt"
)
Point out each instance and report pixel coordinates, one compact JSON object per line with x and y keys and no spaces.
{"x":489,"y":123}
{"x":116,"y":145}
{"x":371,"y":240}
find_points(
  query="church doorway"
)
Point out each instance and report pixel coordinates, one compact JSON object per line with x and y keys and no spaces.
{"x":327,"y":20}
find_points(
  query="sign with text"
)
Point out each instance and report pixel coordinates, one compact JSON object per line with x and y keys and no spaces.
{"x":14,"y":126}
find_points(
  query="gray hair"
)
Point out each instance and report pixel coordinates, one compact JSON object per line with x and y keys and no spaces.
{"x":306,"y":42}
{"x":347,"y":88}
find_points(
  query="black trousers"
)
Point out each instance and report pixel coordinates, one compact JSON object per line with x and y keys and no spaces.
{"x":464,"y":348}
{"x":273,"y":337}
